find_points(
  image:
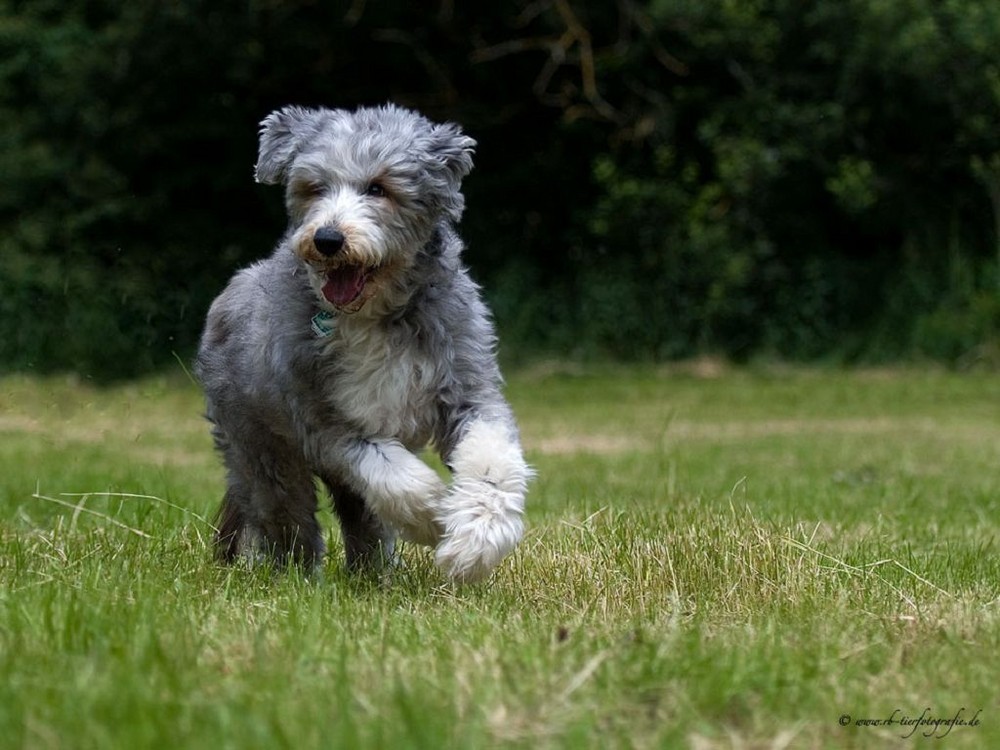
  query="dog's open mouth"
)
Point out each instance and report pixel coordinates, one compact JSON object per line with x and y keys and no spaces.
{"x":344,"y":287}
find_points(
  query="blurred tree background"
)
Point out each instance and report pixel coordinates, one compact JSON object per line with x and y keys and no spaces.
{"x":655,"y":178}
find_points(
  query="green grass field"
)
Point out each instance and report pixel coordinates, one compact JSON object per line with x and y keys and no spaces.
{"x":715,"y":558}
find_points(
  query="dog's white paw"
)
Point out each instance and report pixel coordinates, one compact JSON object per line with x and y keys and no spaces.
{"x":482,"y":516}
{"x":482,"y":525}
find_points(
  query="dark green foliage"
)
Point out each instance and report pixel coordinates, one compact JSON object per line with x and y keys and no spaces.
{"x":654,"y":179}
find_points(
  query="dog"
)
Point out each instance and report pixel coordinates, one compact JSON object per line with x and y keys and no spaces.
{"x":361,"y":340}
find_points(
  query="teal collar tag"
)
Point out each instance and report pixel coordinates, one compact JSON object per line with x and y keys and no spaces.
{"x":322,"y":324}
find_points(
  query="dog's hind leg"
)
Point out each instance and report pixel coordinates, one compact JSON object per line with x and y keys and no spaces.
{"x":368,"y":543}
{"x":269,"y":509}
{"x":231,"y":524}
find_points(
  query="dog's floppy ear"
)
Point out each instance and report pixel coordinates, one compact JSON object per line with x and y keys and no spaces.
{"x":451,"y":150}
{"x":282,"y":135}
{"x":449,"y":157}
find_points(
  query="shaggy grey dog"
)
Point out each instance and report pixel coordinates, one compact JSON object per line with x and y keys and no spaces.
{"x":360,"y":340}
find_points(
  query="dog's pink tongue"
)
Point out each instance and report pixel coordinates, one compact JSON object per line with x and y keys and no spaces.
{"x":344,"y":285}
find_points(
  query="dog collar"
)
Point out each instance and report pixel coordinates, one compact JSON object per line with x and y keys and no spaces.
{"x":322,"y":324}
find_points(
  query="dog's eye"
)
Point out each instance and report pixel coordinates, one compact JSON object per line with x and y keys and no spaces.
{"x":310,"y":189}
{"x":376,"y":190}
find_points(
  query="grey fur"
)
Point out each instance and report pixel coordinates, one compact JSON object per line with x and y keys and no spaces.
{"x":349,"y":397}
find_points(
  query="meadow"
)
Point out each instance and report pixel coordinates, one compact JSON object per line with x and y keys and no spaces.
{"x":716,"y":557}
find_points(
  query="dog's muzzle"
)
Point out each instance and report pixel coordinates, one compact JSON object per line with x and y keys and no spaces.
{"x":344,"y":285}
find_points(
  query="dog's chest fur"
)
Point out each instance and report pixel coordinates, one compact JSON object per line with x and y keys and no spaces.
{"x":385,"y":382}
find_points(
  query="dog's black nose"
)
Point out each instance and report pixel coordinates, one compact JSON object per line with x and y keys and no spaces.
{"x":328,"y":241}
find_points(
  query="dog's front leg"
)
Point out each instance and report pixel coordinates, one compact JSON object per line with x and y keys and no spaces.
{"x":482,"y":514}
{"x":398,"y":487}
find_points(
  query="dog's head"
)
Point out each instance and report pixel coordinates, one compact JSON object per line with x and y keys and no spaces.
{"x":364,"y":191}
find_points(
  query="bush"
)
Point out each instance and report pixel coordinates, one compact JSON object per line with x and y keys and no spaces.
{"x":655,"y":179}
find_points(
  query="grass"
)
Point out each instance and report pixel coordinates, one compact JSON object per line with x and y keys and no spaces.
{"x":715,"y":559}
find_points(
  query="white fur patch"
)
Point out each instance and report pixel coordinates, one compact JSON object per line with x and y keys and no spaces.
{"x":385,"y":389}
{"x":401,"y":489}
{"x":482,"y":515}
